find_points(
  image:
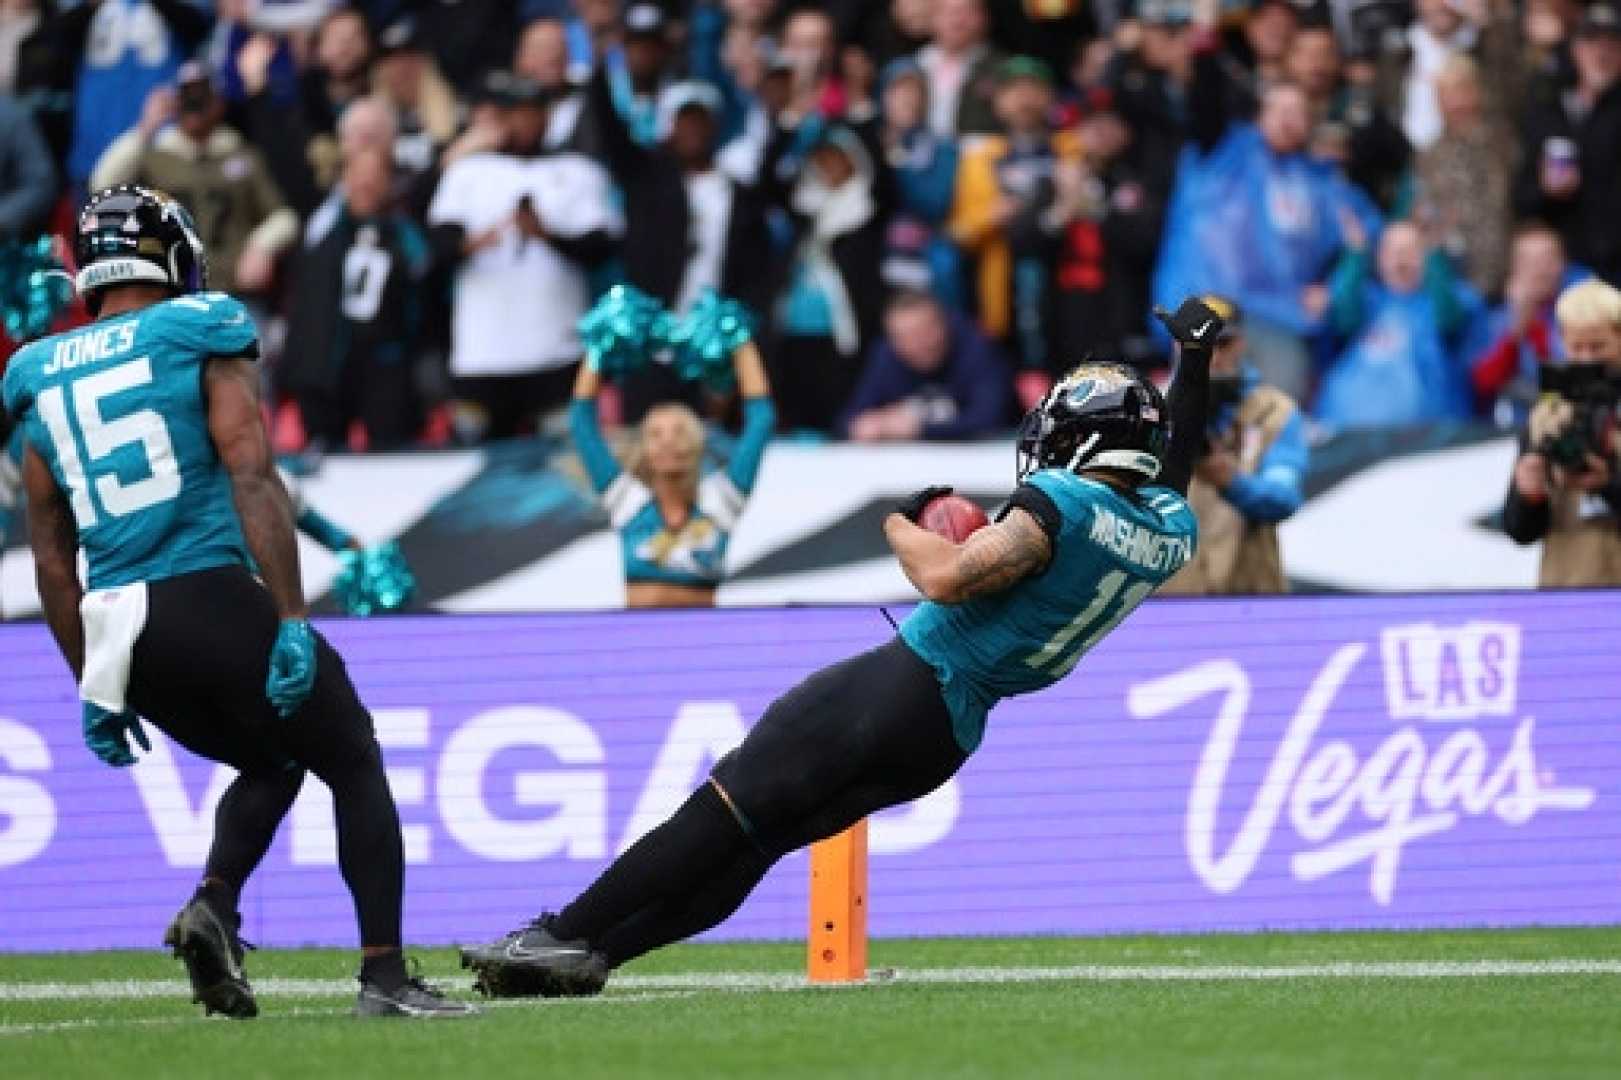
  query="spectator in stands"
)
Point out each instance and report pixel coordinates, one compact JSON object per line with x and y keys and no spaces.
{"x":1250,"y":479}
{"x":486,"y":129}
{"x":594,"y":31}
{"x":1463,"y":185}
{"x":1005,"y":192}
{"x":1574,"y":510}
{"x":469,"y":37}
{"x":1400,"y":366}
{"x":1253,"y":217}
{"x":1442,"y":30}
{"x":637,"y":80}
{"x":240,"y":213}
{"x":37,"y":68}
{"x":1151,"y":75}
{"x":807,"y":51}
{"x":918,"y":252}
{"x":674,"y":521}
{"x":1107,"y":217}
{"x":128,"y":49}
{"x":341,"y":73}
{"x":961,"y":66}
{"x":1349,"y":125}
{"x":305,"y":130}
{"x":932,"y":375}
{"x":898,"y":29}
{"x":367,"y":124}
{"x":27,"y":181}
{"x":522,"y":227}
{"x":1572,"y":166}
{"x":266,"y":103}
{"x":1505,"y":374}
{"x":355,"y":314}
{"x":425,"y":109}
{"x":542,"y":56}
{"x":688,"y":226}
{"x":829,"y":306}
{"x":1257,"y":54}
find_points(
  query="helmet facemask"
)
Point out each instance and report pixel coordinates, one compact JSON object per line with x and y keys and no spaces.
{"x":1100,"y":416}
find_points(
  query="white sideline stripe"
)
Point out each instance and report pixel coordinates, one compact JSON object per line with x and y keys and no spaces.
{"x":769,"y":981}
{"x":49,"y":1026}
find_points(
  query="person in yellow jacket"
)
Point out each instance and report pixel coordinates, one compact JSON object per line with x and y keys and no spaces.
{"x":1002,"y":213}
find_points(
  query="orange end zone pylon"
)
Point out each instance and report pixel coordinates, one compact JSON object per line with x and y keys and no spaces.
{"x":836,"y":948}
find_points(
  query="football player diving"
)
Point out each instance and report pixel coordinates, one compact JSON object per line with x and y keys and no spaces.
{"x":1097,"y":522}
{"x":146,"y":448}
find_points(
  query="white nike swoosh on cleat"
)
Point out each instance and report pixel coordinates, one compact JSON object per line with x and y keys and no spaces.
{"x":516,"y":951}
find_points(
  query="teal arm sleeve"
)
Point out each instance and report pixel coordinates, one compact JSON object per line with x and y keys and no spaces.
{"x":759,"y":421}
{"x":323,"y":530}
{"x":600,"y":464}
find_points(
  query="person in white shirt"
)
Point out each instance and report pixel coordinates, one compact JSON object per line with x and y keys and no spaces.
{"x":525,"y":226}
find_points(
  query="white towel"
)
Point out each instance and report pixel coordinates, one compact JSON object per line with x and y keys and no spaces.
{"x":113,"y":620}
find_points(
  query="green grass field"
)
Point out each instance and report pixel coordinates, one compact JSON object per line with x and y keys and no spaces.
{"x":1497,"y":1003}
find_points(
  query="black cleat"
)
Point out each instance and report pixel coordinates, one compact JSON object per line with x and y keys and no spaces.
{"x":212,"y":952}
{"x":413,"y":999}
{"x":533,"y":962}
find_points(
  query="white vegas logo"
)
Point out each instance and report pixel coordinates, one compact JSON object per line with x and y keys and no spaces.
{"x":1405,"y":790}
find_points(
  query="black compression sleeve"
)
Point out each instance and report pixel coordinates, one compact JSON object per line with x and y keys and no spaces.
{"x":1039,"y":505}
{"x":1189,"y":402}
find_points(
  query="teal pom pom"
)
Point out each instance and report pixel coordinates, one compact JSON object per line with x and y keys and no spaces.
{"x":622,"y":330}
{"x":33,"y":287}
{"x":375,"y":580}
{"x":705,"y":341}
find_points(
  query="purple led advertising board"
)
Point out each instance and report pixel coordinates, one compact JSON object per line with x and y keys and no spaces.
{"x":1419,"y":761}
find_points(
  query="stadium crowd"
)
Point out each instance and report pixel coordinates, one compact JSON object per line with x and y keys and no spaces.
{"x":931,"y":206}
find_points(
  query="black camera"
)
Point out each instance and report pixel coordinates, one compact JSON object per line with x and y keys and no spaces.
{"x":1594,"y":394}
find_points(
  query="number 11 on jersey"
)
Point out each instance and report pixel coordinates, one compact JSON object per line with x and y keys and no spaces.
{"x":1090,"y":626}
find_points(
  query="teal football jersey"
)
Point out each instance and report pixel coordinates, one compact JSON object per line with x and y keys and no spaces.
{"x":1111,"y":551}
{"x":116,"y":409}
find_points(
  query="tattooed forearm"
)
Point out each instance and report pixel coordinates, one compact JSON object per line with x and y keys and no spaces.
{"x":1000,"y":556}
{"x":994,"y":558}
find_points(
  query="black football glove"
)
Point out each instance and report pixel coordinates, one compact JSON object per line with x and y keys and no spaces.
{"x":911,"y":507}
{"x":1193,"y":325}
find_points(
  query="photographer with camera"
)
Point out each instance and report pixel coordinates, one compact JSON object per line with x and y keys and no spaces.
{"x":1250,"y":476}
{"x":1566,"y":489}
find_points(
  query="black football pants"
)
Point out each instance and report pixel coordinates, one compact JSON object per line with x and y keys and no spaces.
{"x":199,"y":674}
{"x":867,"y":733}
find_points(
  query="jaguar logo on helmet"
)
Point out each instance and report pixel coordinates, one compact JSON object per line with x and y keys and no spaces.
{"x":1100,"y":416}
{"x":132,"y":234}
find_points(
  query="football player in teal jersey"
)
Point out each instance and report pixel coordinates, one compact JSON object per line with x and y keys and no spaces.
{"x":146,"y":450}
{"x":1098,"y":521}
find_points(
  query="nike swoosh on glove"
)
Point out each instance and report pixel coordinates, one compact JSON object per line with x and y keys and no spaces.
{"x":1193,"y":324}
{"x":107,"y":734}
{"x":292,"y":666}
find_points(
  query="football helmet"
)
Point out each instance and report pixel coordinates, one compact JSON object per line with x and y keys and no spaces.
{"x":132,"y":234}
{"x":1101,"y":415}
